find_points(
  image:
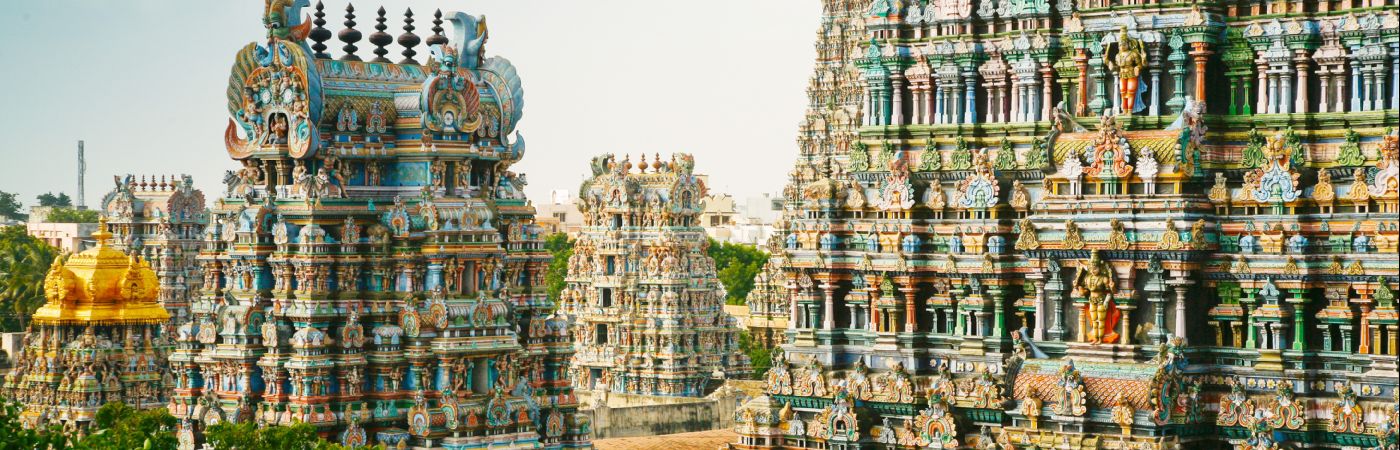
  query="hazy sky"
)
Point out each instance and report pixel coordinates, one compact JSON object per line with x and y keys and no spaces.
{"x":142,"y":81}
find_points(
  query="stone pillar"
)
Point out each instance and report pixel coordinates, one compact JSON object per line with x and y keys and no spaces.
{"x":970,"y":112}
{"x":938,"y":106}
{"x":1200,"y":52}
{"x":1047,"y":84}
{"x":1300,"y":105}
{"x":1262,"y":101}
{"x":1356,"y":89}
{"x":1155,"y":59}
{"x":1324,"y":95}
{"x":1285,"y":105}
{"x":910,"y":323}
{"x":793,"y":317}
{"x":1081,"y":61}
{"x":999,"y":313}
{"x":897,"y":97}
{"x":1055,"y":295}
{"x":1039,"y":333}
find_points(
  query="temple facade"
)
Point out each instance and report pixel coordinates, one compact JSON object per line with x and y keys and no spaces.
{"x":1088,"y":224}
{"x":645,"y":305}
{"x":163,"y":222}
{"x":101,"y":336}
{"x":373,"y":268}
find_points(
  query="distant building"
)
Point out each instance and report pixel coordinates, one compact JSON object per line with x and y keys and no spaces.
{"x":162,"y":221}
{"x":719,"y":216}
{"x":69,"y":237}
{"x":560,"y":214}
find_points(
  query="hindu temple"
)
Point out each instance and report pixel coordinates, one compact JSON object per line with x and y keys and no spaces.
{"x":372,"y":268}
{"x":1091,"y":224}
{"x":162,"y":220}
{"x":642,"y":295}
{"x":101,"y":336}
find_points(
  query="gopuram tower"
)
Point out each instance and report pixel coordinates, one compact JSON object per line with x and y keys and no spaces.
{"x":162,"y":220}
{"x":1085,"y":224}
{"x":373,"y":269}
{"x":100,"y":337}
{"x":647,"y":310}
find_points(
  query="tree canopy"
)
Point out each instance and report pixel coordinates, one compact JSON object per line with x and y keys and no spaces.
{"x":70,"y":215}
{"x":24,"y":261}
{"x":562,"y":249}
{"x":736,"y":264}
{"x":10,"y":206}
{"x":60,"y":200}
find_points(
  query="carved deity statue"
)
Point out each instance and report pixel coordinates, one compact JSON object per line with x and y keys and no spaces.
{"x":1095,"y":283}
{"x":1128,"y":62}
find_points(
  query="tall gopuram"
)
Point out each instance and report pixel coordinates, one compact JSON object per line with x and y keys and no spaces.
{"x":644,"y":303}
{"x":1092,"y":225}
{"x":373,"y":269}
{"x":101,"y":336}
{"x":162,"y":220}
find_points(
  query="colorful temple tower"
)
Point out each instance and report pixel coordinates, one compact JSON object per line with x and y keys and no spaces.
{"x":100,"y":337}
{"x":768,"y":305}
{"x":1092,"y":224}
{"x":163,"y":222}
{"x":642,"y":294}
{"x":373,"y":268}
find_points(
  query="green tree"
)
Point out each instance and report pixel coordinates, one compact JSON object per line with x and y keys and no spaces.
{"x":248,"y":436}
{"x":14,"y":436}
{"x":761,"y":357}
{"x":121,"y":426}
{"x":562,"y":249}
{"x":24,"y":261}
{"x":60,"y":200}
{"x":70,"y":215}
{"x":10,"y":206}
{"x":736,"y":265}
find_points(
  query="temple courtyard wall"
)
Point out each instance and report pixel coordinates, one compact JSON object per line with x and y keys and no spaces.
{"x":624,"y":415}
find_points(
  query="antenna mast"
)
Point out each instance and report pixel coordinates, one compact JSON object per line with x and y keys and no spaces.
{"x":82,"y":171}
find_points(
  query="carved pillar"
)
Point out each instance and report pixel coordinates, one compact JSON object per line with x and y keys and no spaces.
{"x":910,"y":323}
{"x":1262,"y":101}
{"x":970,"y":111}
{"x":938,"y":106}
{"x":1081,"y":60}
{"x":1047,"y":97}
{"x":1055,"y":295}
{"x":1300,"y":59}
{"x":828,"y":308}
{"x":1099,"y":75}
{"x":897,"y":99}
{"x":1039,"y":333}
{"x":1154,"y":59}
{"x":793,"y":317}
{"x":1200,"y":52}
{"x":999,"y":313}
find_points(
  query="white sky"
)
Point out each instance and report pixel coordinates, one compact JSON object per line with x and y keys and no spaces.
{"x":142,"y":82}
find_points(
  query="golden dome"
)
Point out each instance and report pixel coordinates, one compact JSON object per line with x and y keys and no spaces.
{"x":101,"y":285}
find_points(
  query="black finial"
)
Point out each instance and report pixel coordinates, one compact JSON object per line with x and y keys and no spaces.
{"x":350,"y":35}
{"x":320,"y":34}
{"x":437,"y":38}
{"x":408,"y":40}
{"x":380,"y":39}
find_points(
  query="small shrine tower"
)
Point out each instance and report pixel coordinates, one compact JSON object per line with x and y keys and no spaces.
{"x":101,"y":337}
{"x":642,"y":293}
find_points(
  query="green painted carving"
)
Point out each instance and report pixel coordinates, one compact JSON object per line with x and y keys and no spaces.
{"x":1298,"y":154}
{"x":932,"y":159}
{"x":1385,"y":298}
{"x":860,"y":158}
{"x":1254,"y":151}
{"x":882,"y":159}
{"x":1351,"y":150}
{"x":962,"y":156}
{"x":1006,"y":157}
{"x":1037,"y":158}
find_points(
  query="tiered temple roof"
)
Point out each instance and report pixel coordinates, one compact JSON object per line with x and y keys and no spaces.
{"x":1086,"y":223}
{"x":100,"y":337}
{"x":162,"y":220}
{"x":373,"y":268}
{"x":642,"y":293}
